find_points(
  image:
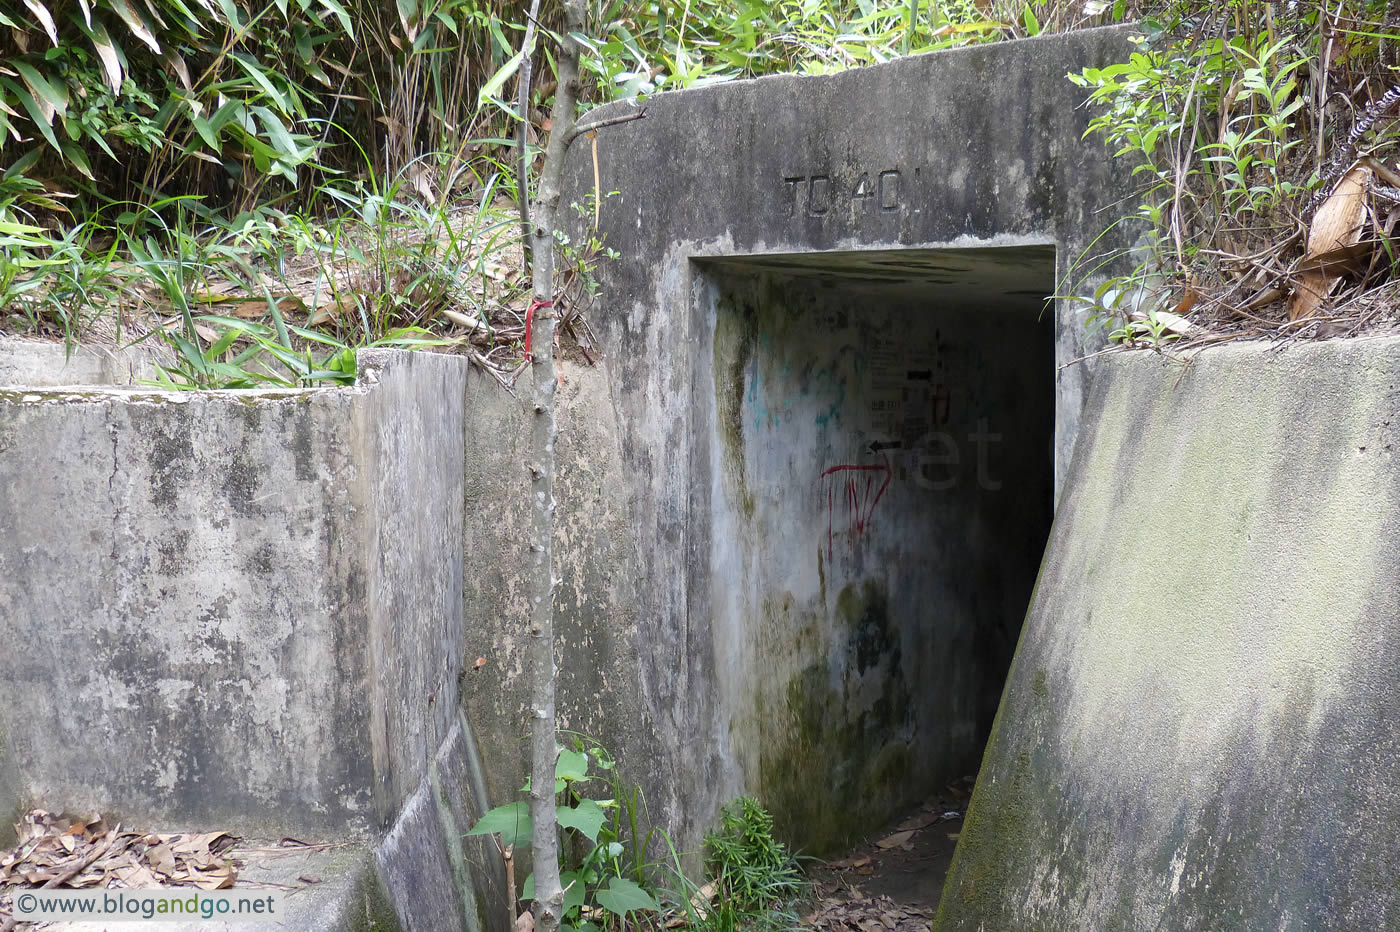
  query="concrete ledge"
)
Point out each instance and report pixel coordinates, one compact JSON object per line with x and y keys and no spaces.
{"x":1199,"y":728}
{"x":43,"y":365}
{"x":347,"y":898}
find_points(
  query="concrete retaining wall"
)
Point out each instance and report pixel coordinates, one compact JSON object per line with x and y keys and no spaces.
{"x":1199,"y":729}
{"x":232,"y":605}
{"x":244,"y":610}
{"x":270,"y":572}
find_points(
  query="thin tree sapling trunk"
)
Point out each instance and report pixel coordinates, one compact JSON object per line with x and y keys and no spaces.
{"x":549,"y":894}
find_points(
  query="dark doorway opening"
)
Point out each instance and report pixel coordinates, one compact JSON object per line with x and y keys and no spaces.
{"x":881,"y":493}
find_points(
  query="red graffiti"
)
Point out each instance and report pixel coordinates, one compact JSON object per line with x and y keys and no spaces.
{"x":859,"y":495}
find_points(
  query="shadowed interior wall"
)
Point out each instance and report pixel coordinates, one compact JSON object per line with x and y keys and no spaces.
{"x":880,"y":484}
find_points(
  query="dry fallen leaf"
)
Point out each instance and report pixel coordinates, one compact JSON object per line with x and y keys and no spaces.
{"x":331,"y":308}
{"x":1188,"y":301}
{"x":136,"y":876}
{"x":220,"y":878}
{"x":161,"y":859}
{"x":1337,"y":225}
{"x":894,"y":841}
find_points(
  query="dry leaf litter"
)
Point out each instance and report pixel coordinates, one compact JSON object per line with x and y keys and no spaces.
{"x":54,"y":852}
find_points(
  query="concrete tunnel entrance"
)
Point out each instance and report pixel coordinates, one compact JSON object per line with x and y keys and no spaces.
{"x":881,"y":493}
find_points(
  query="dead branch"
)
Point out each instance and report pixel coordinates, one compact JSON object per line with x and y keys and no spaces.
{"x":596,"y":125}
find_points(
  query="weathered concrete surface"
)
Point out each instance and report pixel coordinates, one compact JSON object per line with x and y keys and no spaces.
{"x":347,"y":897}
{"x":240,"y":608}
{"x":41,"y":365}
{"x":435,"y":877}
{"x":974,"y":148}
{"x":1199,"y":728}
{"x":597,"y":624}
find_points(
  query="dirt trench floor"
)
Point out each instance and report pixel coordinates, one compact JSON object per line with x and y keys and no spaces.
{"x":893,"y":880}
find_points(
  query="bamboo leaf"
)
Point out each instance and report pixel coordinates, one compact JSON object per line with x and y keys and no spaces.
{"x":102,"y":143}
{"x":408,"y":15}
{"x":303,"y":42}
{"x":23,"y":164}
{"x":75,"y":155}
{"x":107,"y":53}
{"x":52,"y":101}
{"x":492,"y":88}
{"x":182,"y":71}
{"x":11,"y":227}
{"x":221,"y":345}
{"x":135,"y":24}
{"x":255,"y":72}
{"x":206,"y":133}
{"x":277,"y":133}
{"x":45,"y":18}
{"x":231,"y":17}
{"x":36,"y":113}
{"x":341,"y":14}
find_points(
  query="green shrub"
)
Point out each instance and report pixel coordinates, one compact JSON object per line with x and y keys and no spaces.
{"x":756,"y":879}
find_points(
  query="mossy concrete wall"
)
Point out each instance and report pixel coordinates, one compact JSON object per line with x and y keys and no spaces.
{"x":977,"y":148}
{"x":1199,"y":728}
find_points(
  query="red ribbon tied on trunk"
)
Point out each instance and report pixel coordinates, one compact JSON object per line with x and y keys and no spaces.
{"x":535,"y":304}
